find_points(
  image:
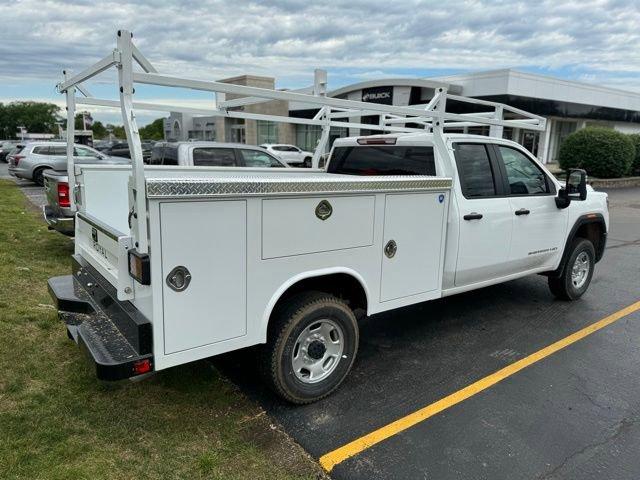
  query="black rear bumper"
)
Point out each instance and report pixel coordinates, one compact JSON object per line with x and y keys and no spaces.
{"x":116,"y":336}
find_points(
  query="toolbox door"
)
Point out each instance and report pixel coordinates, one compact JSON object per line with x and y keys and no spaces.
{"x":412,"y":244}
{"x":204,"y":261}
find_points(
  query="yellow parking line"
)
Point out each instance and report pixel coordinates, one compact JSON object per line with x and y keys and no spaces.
{"x":331,"y":459}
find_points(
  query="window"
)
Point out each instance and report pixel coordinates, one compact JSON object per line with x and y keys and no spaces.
{"x":475,"y":171}
{"x":383,"y":160}
{"x":523,"y":175}
{"x":307,"y":136}
{"x":84,"y":152}
{"x":256,"y":158}
{"x":267,"y":131}
{"x":164,"y":154}
{"x":41,"y":150}
{"x":214,"y":157}
{"x":280,"y":148}
{"x":57,"y":150}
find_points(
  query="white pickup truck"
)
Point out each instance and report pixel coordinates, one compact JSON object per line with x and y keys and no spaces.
{"x":176,"y":264}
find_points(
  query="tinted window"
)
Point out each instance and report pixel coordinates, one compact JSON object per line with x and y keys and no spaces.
{"x":524,"y":177}
{"x":278,"y":148}
{"x":41,"y":150}
{"x":57,"y":150}
{"x":214,"y":157}
{"x":474,"y":168}
{"x":163,"y":154}
{"x":255,"y":158}
{"x":383,"y":160}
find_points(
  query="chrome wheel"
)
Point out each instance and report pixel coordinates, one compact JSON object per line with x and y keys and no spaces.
{"x":317,"y":351}
{"x":580,"y":270}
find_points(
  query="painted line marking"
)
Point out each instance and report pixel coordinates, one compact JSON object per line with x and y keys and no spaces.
{"x":339,"y":455}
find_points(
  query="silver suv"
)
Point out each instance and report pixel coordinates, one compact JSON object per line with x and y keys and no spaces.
{"x":34,"y":158}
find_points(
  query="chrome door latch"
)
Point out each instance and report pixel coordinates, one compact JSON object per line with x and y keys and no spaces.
{"x":179,"y":278}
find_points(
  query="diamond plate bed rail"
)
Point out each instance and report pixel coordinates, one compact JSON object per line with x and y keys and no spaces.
{"x":211,"y":187}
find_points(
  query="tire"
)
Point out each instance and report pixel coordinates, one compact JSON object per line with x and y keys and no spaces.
{"x":38,"y":177}
{"x":307,"y":162}
{"x":574,"y":281}
{"x":312,"y":329}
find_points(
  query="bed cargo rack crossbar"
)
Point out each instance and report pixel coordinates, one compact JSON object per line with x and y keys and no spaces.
{"x":332,"y":112}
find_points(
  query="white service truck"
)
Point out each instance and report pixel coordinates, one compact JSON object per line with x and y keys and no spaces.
{"x":176,"y":264}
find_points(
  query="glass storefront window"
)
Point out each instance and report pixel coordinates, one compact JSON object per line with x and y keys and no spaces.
{"x":561,"y":130}
{"x":267,"y":132}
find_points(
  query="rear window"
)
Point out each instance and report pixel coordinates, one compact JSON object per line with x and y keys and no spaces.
{"x":383,"y":160}
{"x":214,"y":157}
{"x":41,"y":150}
{"x":164,"y":155}
{"x":256,"y":158}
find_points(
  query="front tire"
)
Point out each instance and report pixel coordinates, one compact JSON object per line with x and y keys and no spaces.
{"x":312,"y":343}
{"x":577,"y":272}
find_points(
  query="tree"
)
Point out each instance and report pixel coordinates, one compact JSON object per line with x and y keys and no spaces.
{"x":117,"y":131}
{"x":36,"y":117}
{"x":153,"y":131}
{"x":99,"y":130}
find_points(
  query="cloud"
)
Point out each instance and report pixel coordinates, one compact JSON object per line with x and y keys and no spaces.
{"x":584,"y":40}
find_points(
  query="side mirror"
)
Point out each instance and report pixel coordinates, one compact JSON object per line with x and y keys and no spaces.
{"x":575,"y":188}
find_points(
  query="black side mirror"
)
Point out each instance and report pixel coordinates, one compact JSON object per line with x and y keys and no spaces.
{"x":575,"y":188}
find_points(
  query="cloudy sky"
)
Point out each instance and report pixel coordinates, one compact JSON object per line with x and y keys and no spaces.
{"x":592,"y":41}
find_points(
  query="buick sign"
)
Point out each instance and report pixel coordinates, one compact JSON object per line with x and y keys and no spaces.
{"x":378,"y":95}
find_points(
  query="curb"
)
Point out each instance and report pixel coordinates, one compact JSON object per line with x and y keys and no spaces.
{"x":624,"y":182}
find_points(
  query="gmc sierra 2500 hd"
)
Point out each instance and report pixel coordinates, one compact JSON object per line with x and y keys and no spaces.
{"x":183,"y":263}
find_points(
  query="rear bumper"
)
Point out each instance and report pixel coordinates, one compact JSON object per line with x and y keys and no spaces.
{"x":114,"y":334}
{"x":64,"y":225}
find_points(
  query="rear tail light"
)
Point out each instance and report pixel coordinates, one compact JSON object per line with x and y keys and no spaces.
{"x":63,"y":195}
{"x":142,"y":366}
{"x":16,"y":159}
{"x":377,"y":141}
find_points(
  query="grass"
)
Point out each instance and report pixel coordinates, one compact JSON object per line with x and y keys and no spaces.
{"x":57,"y":421}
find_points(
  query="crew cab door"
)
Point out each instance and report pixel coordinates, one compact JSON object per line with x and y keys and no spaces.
{"x":539,"y":226}
{"x":484,"y":216}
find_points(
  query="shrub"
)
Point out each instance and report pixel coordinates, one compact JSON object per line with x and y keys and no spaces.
{"x":602,"y":152}
{"x":635,"y":168}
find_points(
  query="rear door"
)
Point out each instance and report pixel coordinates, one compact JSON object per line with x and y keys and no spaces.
{"x":539,"y":226}
{"x":485,"y":219}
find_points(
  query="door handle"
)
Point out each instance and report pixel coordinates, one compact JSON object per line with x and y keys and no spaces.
{"x":473,"y":216}
{"x":523,"y":211}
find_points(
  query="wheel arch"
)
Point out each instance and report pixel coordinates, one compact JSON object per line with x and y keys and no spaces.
{"x":590,"y":226}
{"x":343,"y":282}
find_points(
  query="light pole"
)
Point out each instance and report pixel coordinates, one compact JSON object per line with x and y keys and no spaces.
{"x":23,"y":130}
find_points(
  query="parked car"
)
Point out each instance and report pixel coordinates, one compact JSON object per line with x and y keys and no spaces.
{"x":121,"y":149}
{"x":60,"y":216}
{"x":289,"y":154}
{"x":31,"y":161}
{"x":212,"y":154}
{"x":6,"y":146}
{"x":58,"y":212}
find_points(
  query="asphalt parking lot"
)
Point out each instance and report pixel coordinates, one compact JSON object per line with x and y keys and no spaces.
{"x":574,"y":414}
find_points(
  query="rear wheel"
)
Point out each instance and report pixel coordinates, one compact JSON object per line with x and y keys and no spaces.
{"x":577,"y":273}
{"x":38,"y":176}
{"x":307,"y":162}
{"x":312,"y":344}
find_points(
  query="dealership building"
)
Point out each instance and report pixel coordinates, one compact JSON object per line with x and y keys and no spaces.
{"x":567,"y":105}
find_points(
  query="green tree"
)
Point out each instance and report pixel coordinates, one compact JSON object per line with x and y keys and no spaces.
{"x":36,"y":117}
{"x":153,"y":131}
{"x":99,"y":130}
{"x":117,"y":131}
